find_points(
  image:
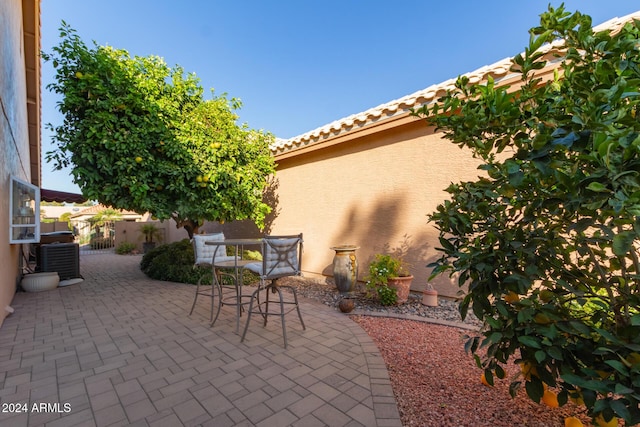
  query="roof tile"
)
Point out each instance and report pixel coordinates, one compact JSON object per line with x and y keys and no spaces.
{"x":499,"y":70}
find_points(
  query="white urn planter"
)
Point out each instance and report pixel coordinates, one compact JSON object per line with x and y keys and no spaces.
{"x":38,"y":282}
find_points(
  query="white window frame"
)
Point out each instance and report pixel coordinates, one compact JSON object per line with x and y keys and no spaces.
{"x":24,"y":212}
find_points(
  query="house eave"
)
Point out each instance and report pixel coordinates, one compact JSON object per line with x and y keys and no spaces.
{"x":397,"y":112}
{"x":32,"y":44}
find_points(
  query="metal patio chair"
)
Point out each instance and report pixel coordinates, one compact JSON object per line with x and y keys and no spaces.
{"x":203,"y":255}
{"x":281,"y":257}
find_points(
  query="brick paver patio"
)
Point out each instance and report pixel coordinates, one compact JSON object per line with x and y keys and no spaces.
{"x":120,"y":349}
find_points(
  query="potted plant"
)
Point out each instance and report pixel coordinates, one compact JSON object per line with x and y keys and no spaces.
{"x":389,"y":279}
{"x":150,"y":231}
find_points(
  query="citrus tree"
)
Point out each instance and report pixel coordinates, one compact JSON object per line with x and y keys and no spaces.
{"x":547,"y":241}
{"x":140,"y":136}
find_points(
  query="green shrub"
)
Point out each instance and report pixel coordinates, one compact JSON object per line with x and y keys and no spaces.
{"x":252,"y":255}
{"x":381,"y":269}
{"x":387,"y":295}
{"x":125,"y":248}
{"x":173,"y":262}
{"x":546,"y":242}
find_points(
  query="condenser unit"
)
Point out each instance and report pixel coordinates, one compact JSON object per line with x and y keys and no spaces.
{"x":62,"y":258}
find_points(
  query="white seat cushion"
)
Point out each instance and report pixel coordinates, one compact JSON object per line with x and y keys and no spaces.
{"x":203,"y":253}
{"x":255,"y":267}
{"x":280,"y":259}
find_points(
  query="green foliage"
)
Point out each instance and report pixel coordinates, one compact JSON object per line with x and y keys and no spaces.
{"x":140,"y":136}
{"x":381,"y":269}
{"x":386,"y":295}
{"x":173,"y":262}
{"x":125,"y":248}
{"x":251,"y":255}
{"x":150,"y":231}
{"x":104,"y":216}
{"x":65,"y":217}
{"x":556,"y":219}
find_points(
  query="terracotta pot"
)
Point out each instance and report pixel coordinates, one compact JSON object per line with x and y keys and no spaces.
{"x":402,"y":285}
{"x":430,"y":297}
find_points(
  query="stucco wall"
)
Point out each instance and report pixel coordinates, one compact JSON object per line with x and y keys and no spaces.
{"x":129,"y":231}
{"x":14,"y":137}
{"x":373,"y":192}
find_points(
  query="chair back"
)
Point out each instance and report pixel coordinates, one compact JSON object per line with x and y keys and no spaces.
{"x":202,"y":252}
{"x":281,"y":256}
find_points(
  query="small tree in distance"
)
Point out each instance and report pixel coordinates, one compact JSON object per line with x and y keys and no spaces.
{"x":139,"y":136}
{"x":547,"y":242}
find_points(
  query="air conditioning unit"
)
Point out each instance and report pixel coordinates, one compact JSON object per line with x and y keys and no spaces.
{"x":62,"y":258}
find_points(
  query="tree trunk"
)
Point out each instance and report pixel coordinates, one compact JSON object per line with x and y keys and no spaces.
{"x":188,"y":224}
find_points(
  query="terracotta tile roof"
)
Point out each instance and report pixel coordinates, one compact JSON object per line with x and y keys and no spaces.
{"x":498,"y":70}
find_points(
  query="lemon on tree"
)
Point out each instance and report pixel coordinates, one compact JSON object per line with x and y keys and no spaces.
{"x":550,"y":399}
{"x":572,"y":422}
{"x":576,"y":397}
{"x":601,"y":422}
{"x":483,"y":380}
{"x":528,"y":369}
{"x":512,"y":297}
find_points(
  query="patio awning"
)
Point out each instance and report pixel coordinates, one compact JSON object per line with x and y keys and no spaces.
{"x":61,"y":196}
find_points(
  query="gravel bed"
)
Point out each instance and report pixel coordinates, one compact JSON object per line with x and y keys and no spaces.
{"x":326,"y":292}
{"x":434,"y":381}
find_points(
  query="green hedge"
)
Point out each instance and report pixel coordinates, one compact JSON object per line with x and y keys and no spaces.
{"x":173,"y":262}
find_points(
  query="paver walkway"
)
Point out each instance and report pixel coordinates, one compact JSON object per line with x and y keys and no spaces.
{"x":120,"y":349}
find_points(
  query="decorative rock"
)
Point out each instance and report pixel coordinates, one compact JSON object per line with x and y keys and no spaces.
{"x":327,"y":294}
{"x":346,"y":305}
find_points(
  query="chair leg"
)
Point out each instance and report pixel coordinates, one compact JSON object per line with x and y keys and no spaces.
{"x":295,"y":299}
{"x":219,"y":288}
{"x":266,"y":304}
{"x":197,"y":293}
{"x":272,"y":288}
{"x":284,"y":327}
{"x":196,"y":297}
{"x":249,"y":312}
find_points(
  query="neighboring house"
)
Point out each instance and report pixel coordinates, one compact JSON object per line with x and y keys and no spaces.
{"x":370,"y":180}
{"x":86,"y":213}
{"x":55,"y":212}
{"x":19,"y":124}
{"x":83,"y":227}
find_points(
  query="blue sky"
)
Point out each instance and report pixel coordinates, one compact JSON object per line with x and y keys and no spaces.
{"x":298,"y":65}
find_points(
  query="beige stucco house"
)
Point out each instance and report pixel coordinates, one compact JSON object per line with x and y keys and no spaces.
{"x":19,"y":123}
{"x":368,"y":180}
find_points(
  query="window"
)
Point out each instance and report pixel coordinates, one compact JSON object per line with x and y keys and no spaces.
{"x":24,"y":212}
